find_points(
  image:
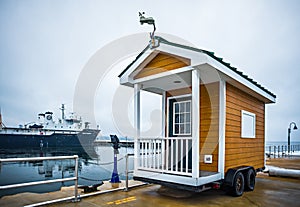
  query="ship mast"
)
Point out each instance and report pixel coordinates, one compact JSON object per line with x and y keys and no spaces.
{"x":0,"y":119}
{"x":62,"y":111}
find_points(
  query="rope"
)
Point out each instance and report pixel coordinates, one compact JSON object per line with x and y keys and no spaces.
{"x":106,"y":163}
{"x":89,"y":179}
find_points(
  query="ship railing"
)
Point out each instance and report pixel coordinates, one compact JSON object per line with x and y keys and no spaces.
{"x":74,"y":178}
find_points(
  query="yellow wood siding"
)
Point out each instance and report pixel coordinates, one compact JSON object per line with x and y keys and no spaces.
{"x":179,"y":92}
{"x":209,"y":122}
{"x":162,"y":62}
{"x":209,"y":125}
{"x":243,"y":151}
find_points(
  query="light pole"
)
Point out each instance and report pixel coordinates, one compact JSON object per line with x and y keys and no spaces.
{"x":289,"y":134}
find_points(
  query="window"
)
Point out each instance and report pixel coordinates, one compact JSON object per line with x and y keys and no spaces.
{"x":182,"y":118}
{"x":248,"y":124}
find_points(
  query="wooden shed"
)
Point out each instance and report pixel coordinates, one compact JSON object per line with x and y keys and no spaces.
{"x":213,"y":120}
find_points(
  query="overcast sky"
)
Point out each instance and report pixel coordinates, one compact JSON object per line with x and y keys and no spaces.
{"x":45,"y":45}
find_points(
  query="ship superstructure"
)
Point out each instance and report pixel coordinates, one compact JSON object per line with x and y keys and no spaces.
{"x":66,"y":131}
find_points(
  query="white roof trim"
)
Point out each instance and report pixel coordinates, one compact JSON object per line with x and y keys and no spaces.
{"x":197,"y":58}
{"x":163,"y":74}
{"x":126,"y":76}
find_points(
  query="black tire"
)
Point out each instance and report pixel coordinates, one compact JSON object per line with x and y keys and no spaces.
{"x":238,"y":185}
{"x":250,"y":180}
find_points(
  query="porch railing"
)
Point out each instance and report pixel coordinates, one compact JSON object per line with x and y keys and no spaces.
{"x":172,"y":155}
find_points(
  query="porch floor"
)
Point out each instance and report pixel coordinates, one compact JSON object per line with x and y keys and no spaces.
{"x":202,"y":173}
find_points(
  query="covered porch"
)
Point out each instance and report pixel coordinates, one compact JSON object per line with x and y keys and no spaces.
{"x":184,"y":150}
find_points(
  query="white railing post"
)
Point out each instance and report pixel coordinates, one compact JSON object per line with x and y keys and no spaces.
{"x":187,"y":156}
{"x":181,"y":155}
{"x":167,"y":153}
{"x":176,"y":155}
{"x":163,"y":147}
{"x":172,"y":154}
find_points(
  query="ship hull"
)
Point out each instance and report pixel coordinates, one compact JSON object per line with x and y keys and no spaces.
{"x":83,"y":138}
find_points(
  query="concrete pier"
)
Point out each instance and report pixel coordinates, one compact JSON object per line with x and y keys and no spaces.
{"x":269,"y":191}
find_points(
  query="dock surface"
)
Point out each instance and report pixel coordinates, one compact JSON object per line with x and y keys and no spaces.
{"x":269,"y":191}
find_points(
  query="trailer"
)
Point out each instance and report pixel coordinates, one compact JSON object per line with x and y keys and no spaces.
{"x":213,"y":128}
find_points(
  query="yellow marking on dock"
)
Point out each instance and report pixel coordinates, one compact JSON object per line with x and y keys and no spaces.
{"x":121,"y":201}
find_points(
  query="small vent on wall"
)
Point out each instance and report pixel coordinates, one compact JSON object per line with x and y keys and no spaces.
{"x":208,"y":159}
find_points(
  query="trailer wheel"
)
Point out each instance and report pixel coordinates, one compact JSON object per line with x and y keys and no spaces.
{"x":250,"y":180}
{"x":238,"y":185}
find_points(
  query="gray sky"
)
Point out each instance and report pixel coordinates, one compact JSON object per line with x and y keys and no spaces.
{"x":44,"y":46}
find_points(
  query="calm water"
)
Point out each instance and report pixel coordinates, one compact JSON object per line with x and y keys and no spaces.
{"x":95,"y":164}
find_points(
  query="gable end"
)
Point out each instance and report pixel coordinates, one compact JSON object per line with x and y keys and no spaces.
{"x":162,"y":62}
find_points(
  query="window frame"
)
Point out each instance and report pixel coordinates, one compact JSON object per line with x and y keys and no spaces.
{"x":170,"y":100}
{"x":244,"y":133}
{"x":179,"y":113}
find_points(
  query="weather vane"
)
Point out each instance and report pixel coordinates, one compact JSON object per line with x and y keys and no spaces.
{"x":149,"y":20}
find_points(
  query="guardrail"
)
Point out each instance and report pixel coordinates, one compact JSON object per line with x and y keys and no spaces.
{"x":281,"y":150}
{"x":127,"y":171}
{"x":76,"y":197}
{"x":75,"y":178}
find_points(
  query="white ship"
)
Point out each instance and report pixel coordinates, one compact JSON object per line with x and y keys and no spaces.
{"x":68,"y":131}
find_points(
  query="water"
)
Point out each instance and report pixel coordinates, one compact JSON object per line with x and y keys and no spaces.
{"x":95,"y":165}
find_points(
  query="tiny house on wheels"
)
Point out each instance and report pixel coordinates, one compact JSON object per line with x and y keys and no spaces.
{"x":213,"y":128}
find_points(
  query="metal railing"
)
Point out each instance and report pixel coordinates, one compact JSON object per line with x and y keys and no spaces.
{"x":281,"y":150}
{"x":127,"y":171}
{"x":166,"y":155}
{"x":75,"y":178}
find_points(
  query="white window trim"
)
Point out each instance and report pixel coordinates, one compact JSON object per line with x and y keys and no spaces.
{"x":247,"y":113}
{"x":168,"y":107}
{"x":184,"y":134}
